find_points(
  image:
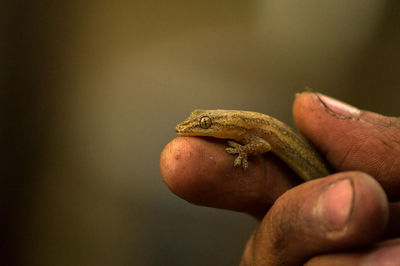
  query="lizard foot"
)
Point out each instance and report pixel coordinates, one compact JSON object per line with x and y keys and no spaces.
{"x":241,"y":159}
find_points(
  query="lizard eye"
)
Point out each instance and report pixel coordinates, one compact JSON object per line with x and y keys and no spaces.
{"x":205,"y":122}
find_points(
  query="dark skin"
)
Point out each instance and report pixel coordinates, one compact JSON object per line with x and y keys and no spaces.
{"x":348,"y":218}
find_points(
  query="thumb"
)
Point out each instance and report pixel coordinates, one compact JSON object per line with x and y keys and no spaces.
{"x":336,"y":213}
{"x":352,"y":139}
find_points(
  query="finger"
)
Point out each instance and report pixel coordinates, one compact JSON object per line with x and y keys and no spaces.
{"x":386,"y":253}
{"x":200,"y":171}
{"x":326,"y":215}
{"x":352,"y":139}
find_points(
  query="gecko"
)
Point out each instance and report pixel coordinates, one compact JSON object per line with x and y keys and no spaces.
{"x":251,"y":133}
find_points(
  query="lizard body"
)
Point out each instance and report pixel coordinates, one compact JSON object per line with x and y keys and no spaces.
{"x":255,"y":133}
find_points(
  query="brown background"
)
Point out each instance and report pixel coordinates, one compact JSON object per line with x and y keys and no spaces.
{"x":93,"y":89}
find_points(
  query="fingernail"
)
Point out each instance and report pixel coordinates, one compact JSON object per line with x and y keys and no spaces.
{"x":335,"y":205}
{"x":338,"y":108}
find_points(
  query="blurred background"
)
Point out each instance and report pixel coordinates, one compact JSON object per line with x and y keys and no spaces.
{"x":92,"y":91}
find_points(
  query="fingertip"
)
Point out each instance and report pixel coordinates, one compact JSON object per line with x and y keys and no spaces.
{"x":367,"y":207}
{"x":351,"y":139}
{"x":314,"y":113}
{"x":169,"y":157}
{"x":314,"y":101}
{"x":309,"y":116}
{"x":371,"y":207}
{"x":200,"y":171}
{"x":185,"y":164}
{"x":302,"y":103}
{"x":350,"y":204}
{"x":321,"y":216}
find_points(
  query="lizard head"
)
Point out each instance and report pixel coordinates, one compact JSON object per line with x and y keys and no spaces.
{"x":212,"y":123}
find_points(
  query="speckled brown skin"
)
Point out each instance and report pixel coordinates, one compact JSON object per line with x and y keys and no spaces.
{"x":257,"y":133}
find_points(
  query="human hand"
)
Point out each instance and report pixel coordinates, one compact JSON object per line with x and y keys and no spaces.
{"x":320,"y":222}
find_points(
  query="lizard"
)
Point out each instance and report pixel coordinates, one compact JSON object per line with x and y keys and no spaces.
{"x":251,"y":133}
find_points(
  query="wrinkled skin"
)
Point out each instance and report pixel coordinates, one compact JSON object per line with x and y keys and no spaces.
{"x":351,"y":217}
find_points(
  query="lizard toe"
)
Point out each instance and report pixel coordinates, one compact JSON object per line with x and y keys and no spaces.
{"x":234,"y":144}
{"x":245,"y":163}
{"x":238,"y":161}
{"x":232,"y":150}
